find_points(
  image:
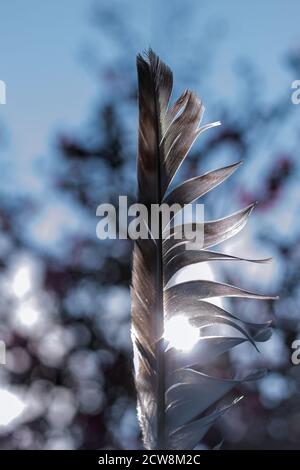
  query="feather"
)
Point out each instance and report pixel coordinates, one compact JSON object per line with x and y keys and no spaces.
{"x":177,"y":402}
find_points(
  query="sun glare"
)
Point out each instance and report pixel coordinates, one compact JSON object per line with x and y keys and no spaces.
{"x":180,"y":333}
{"x":21,"y":282}
{"x":11,"y":407}
{"x":27,"y":315}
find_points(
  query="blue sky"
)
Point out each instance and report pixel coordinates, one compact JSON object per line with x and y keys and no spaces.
{"x":49,"y":88}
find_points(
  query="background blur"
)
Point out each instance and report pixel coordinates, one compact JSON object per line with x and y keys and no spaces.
{"x":68,"y":143}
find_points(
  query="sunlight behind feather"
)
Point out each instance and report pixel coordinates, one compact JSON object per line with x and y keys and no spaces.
{"x":194,"y":272}
{"x":178,"y":330}
{"x":180,"y":333}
